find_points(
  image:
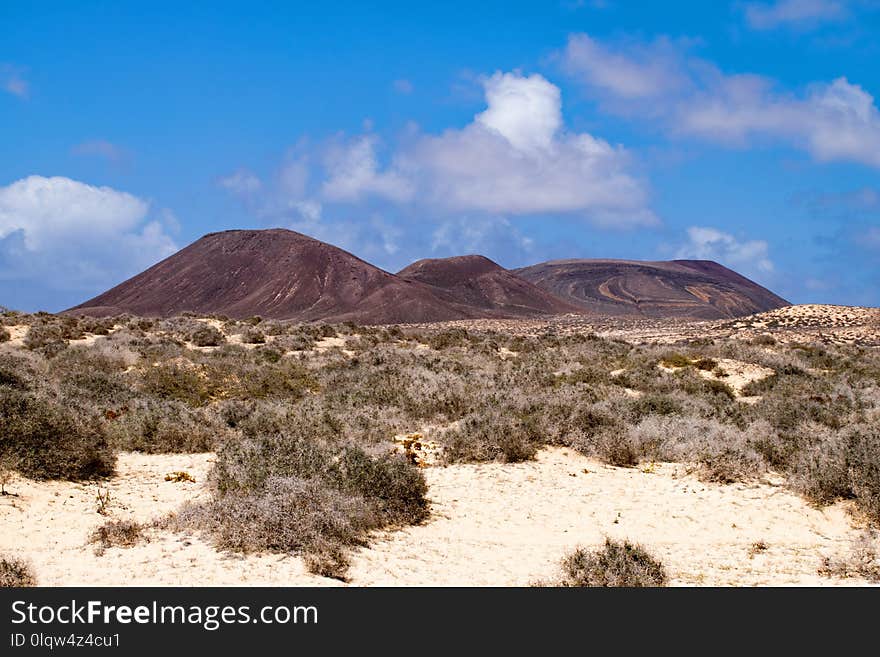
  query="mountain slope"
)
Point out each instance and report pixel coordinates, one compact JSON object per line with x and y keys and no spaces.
{"x":678,"y":288}
{"x":477,"y":282}
{"x":276,"y":274}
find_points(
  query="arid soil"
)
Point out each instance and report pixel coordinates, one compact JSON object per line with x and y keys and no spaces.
{"x":804,"y":323}
{"x":490,"y":525}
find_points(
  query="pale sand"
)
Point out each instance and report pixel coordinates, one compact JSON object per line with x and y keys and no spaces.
{"x":491,"y":524}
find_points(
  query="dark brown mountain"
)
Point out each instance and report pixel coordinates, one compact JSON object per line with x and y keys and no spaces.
{"x":678,"y":288}
{"x":477,"y":282}
{"x":285,"y":275}
{"x":275,"y":274}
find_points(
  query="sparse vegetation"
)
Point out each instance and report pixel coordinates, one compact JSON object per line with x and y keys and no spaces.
{"x":304,"y":434}
{"x":863,"y":560}
{"x":207,"y":336}
{"x":49,"y":440}
{"x":117,"y":533}
{"x":617,"y":564}
{"x":15,"y":572}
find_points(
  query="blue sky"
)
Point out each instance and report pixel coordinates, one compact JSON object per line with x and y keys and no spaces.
{"x":745,"y":132}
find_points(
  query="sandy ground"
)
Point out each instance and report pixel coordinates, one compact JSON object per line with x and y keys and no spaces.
{"x":491,"y":524}
{"x":805,"y":323}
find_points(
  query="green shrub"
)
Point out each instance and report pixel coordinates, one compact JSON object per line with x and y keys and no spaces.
{"x":396,"y":488}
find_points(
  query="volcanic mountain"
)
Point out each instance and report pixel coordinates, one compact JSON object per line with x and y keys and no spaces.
{"x":677,"y":288}
{"x":477,"y":282}
{"x":276,"y":274}
{"x":281,"y":274}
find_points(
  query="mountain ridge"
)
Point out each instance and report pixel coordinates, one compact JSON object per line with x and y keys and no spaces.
{"x":281,"y":274}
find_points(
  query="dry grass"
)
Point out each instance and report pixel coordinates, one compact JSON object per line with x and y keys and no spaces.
{"x":303,"y":434}
{"x":15,"y":572}
{"x":617,"y":564}
{"x":117,"y":533}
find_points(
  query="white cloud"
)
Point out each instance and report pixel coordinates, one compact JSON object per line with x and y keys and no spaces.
{"x":67,"y":234}
{"x":627,"y":70}
{"x":494,"y":238}
{"x":515,"y":158}
{"x":100,"y":148}
{"x":526,"y":111}
{"x":794,"y":13}
{"x":353,"y":173}
{"x":12,"y":81}
{"x":836,"y":121}
{"x":241,"y":182}
{"x":706,"y":243}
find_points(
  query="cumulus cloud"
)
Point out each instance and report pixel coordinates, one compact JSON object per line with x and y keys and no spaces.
{"x":705,"y":243}
{"x":794,"y":13}
{"x":65,"y":234}
{"x":514,"y":158}
{"x":832,"y":121}
{"x":353,"y":172}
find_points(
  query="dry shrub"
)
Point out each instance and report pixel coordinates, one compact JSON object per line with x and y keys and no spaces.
{"x":841,"y":465}
{"x":675,"y":359}
{"x":117,"y":533}
{"x":862,"y":561}
{"x":15,"y":572}
{"x":52,"y":440}
{"x":618,"y":564}
{"x":290,"y":489}
{"x":46,"y":339}
{"x":5,"y":335}
{"x":617,"y":448}
{"x":20,"y":371}
{"x":181,"y":381}
{"x":490,"y":436}
{"x":723,"y":452}
{"x":253,"y":336}
{"x":820,"y":470}
{"x":863,"y":458}
{"x":207,"y":335}
{"x":159,"y":427}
